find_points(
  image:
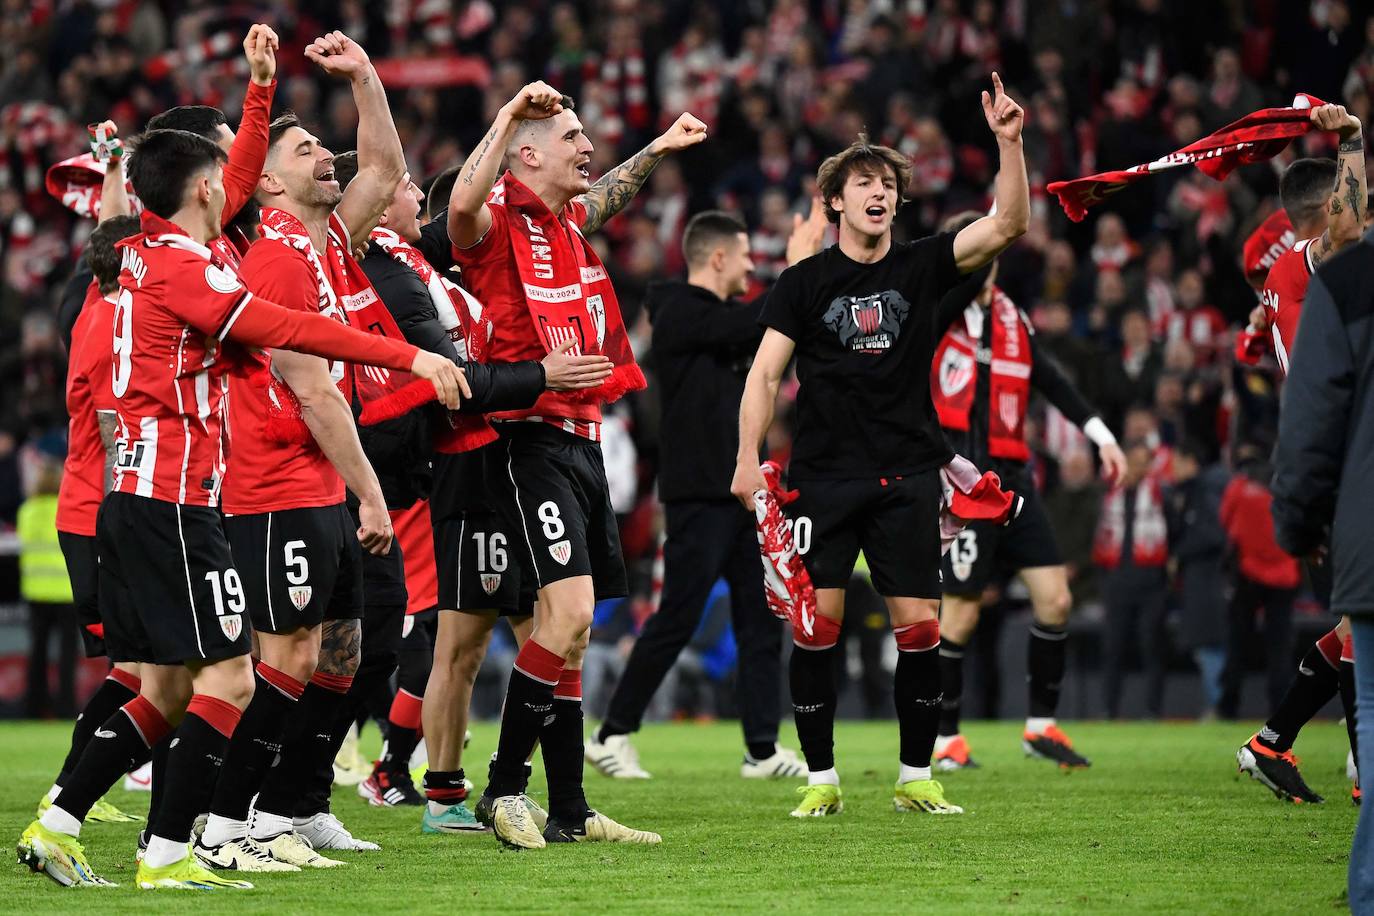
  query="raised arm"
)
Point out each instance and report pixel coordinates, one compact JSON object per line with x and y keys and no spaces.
{"x":381,"y":161}
{"x":468,"y":217}
{"x":249,"y":151}
{"x":612,"y":191}
{"x":114,"y":194}
{"x":756,"y":412}
{"x":981,"y":241}
{"x":1345,"y":215}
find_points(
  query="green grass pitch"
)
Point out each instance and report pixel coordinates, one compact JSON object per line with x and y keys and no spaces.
{"x":1160,"y":823}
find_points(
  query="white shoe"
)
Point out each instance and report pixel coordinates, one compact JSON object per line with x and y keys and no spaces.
{"x":140,"y":780}
{"x":293,"y":849}
{"x":1352,"y":772}
{"x":350,"y":766}
{"x":244,"y":854}
{"x":323,"y":831}
{"x":615,"y":756}
{"x":784,"y":764}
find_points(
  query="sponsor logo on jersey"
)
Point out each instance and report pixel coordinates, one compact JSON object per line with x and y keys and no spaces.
{"x":104,"y":733}
{"x":220,"y":279}
{"x":492,"y":581}
{"x":232,"y":625}
{"x":300,"y":595}
{"x":562,"y":551}
{"x":868,"y":324}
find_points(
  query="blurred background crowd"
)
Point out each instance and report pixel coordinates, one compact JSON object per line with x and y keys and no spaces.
{"x":1139,"y":303}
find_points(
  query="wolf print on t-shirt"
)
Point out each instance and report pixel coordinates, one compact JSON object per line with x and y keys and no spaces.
{"x":868,"y":324}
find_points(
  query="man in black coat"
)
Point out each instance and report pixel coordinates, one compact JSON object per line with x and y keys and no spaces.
{"x":1326,"y":445}
{"x":702,"y":344}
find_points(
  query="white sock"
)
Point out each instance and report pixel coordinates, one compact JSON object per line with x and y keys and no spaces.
{"x":438,"y":808}
{"x":266,"y":826}
{"x":823,"y":778}
{"x":911,"y":774}
{"x":1038,"y":726}
{"x":60,"y":821}
{"x":943,"y":741}
{"x":162,"y":852}
{"x":220,"y":830}
{"x":55,"y":791}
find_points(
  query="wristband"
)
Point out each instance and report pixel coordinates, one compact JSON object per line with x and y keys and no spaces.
{"x":1098,"y":432}
{"x":105,"y":145}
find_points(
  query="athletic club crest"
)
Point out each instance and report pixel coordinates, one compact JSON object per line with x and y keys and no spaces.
{"x":1009,"y":409}
{"x":232,"y":625}
{"x":300,"y":595}
{"x":596,"y":310}
{"x":492,"y":581}
{"x":956,"y":371}
{"x":562,"y":552}
{"x":867,"y":324}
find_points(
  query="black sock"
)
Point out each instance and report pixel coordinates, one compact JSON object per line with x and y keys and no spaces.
{"x":193,"y":765}
{"x":445,"y":787}
{"x":761,"y":751}
{"x":312,"y":739}
{"x":1312,"y":688}
{"x":1045,"y":669}
{"x":811,"y":674}
{"x":115,"y":748}
{"x":560,"y":743}
{"x":104,"y":703}
{"x":608,"y":730}
{"x":159,"y":776}
{"x":951,"y":685}
{"x":529,"y":703}
{"x":400,"y":744}
{"x":916,"y":693}
{"x":257,"y":742}
{"x":1347,"y":689}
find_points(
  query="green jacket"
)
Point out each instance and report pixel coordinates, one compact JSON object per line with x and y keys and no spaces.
{"x":42,"y":569}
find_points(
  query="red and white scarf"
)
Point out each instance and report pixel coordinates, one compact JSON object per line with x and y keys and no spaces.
{"x":569,"y":295}
{"x":461,"y":315}
{"x":344,"y":294}
{"x":1150,"y":537}
{"x":954,"y":374}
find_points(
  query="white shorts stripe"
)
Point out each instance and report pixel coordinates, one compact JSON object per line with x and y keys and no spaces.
{"x":267,"y":572}
{"x":190,"y":592}
{"x":524,"y":528}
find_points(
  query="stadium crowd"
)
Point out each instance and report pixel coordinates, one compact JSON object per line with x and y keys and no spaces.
{"x":1139,"y":304}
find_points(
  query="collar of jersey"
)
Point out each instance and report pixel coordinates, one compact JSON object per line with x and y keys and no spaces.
{"x":161,"y":231}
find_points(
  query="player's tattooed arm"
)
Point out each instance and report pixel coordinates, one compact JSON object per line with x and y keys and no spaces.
{"x":341,"y":645}
{"x":614,"y":190}
{"x":1346,"y":212}
{"x":108,"y":421}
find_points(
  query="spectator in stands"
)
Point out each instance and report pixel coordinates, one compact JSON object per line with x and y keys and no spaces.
{"x":44,"y":586}
{"x":1265,"y":578}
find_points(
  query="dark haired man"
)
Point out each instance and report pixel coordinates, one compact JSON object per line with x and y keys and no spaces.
{"x":1326,"y":203}
{"x":524,"y":255}
{"x":861,"y":318}
{"x":177,"y":602}
{"x":702,"y":342}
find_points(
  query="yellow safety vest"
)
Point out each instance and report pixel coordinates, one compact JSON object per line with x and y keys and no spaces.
{"x":42,"y":570}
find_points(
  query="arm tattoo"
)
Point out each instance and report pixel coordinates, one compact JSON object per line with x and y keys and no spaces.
{"x":1353,"y":145}
{"x":481,"y":154}
{"x":1352,"y":194}
{"x":612,"y":191}
{"x":108,"y":420}
{"x":341,"y":645}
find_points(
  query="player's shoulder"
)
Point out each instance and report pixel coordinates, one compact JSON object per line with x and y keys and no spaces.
{"x":268,"y":258}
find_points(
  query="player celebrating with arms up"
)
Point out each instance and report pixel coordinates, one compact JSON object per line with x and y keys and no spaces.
{"x":861,"y":317}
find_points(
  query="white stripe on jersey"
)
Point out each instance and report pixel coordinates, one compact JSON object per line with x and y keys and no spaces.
{"x":146,"y":454}
{"x":181,"y":409}
{"x":267,"y":571}
{"x":190,"y":592}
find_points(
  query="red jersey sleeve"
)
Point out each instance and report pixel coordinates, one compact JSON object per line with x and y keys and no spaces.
{"x":203,"y":294}
{"x":488,"y":245}
{"x":249,"y":152}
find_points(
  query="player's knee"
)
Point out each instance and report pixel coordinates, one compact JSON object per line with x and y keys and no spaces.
{"x":1055,"y":611}
{"x":917,"y":637}
{"x":825,"y":633}
{"x":466,"y":665}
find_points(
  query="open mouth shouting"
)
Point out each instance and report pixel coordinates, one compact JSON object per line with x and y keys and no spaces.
{"x":584,"y":168}
{"x":326,"y":175}
{"x":876,"y":213}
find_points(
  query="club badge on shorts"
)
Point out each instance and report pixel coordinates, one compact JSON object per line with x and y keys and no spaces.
{"x":562,"y":552}
{"x":300,"y":595}
{"x":232,"y":625}
{"x":491,"y":582}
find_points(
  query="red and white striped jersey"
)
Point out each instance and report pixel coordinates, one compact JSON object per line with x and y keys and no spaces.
{"x":177,"y":301}
{"x":1285,"y":288}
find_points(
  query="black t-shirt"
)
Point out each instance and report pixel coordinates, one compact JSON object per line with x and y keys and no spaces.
{"x":865,"y":336}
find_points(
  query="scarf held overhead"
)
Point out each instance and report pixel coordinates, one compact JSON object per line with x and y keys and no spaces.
{"x":461,"y":315}
{"x":345,"y":295}
{"x":569,"y":294}
{"x":1254,"y":138}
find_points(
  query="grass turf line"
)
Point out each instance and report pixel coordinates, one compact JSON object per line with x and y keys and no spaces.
{"x":1161,"y":822}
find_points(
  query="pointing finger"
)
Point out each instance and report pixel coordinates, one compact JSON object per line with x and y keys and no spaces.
{"x":997,"y":83}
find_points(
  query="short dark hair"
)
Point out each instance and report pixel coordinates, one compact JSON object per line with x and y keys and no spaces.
{"x":866,"y":158}
{"x":101,"y":253}
{"x":162,"y":164}
{"x":705,"y":231}
{"x":1305,"y":187}
{"x":345,"y":168}
{"x":198,"y":119}
{"x":279,"y":126}
{"x":438,"y":190}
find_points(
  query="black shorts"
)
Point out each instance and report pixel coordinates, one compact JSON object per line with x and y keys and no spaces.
{"x":299,"y":566}
{"x":169,"y":591}
{"x":550,"y":487}
{"x":895,"y":521}
{"x":83,"y":571}
{"x":983,"y":551}
{"x":479,"y":566}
